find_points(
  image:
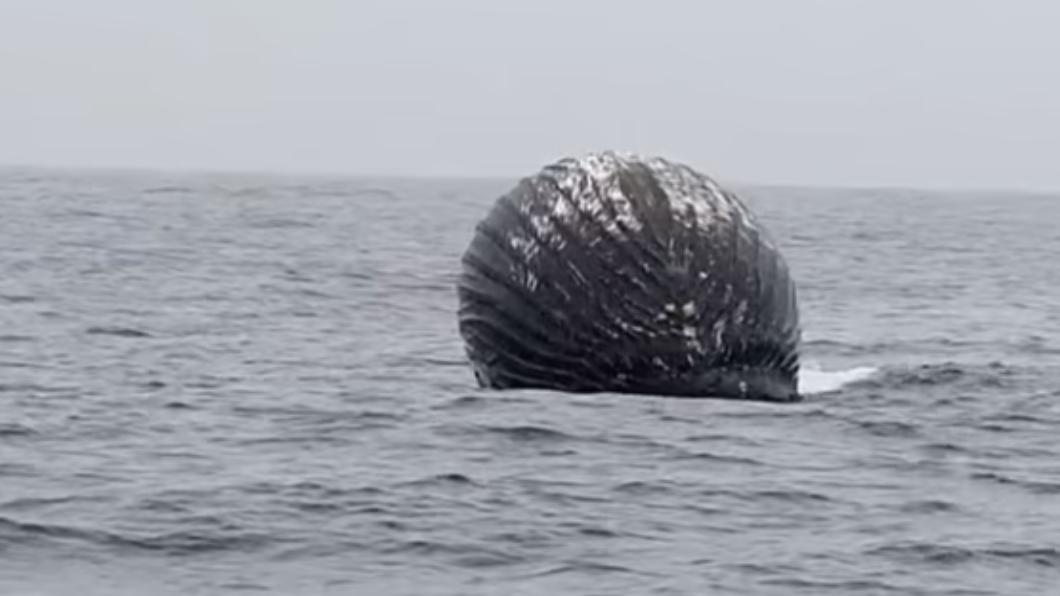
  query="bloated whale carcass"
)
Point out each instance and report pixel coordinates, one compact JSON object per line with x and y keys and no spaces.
{"x":622,"y":274}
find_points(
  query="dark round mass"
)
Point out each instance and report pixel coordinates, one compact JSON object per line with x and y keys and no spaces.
{"x":621,"y":274}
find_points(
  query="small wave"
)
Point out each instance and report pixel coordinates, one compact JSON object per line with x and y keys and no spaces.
{"x":838,"y":587}
{"x":640,"y":488}
{"x":595,"y":531}
{"x":781,"y":414}
{"x":993,"y":375}
{"x":464,"y":401}
{"x":280,"y":223}
{"x":758,"y":569}
{"x":733,"y":439}
{"x":314,"y":415}
{"x":309,"y":491}
{"x":16,"y":532}
{"x":1045,"y":557}
{"x":373,"y":191}
{"x":1012,"y":422}
{"x":433,"y":361}
{"x":925,"y":553}
{"x":453,"y":478}
{"x":841,"y":348}
{"x":529,"y":433}
{"x":996,"y":428}
{"x":36,"y":503}
{"x":193,"y":543}
{"x":888,"y":428}
{"x":928,"y":506}
{"x":1039,"y":345}
{"x":440,"y":480}
{"x":85,"y":213}
{"x":1020,"y":418}
{"x":175,"y":543}
{"x":32,"y":388}
{"x":719,"y":458}
{"x":166,"y":190}
{"x":15,"y":430}
{"x":944,"y":449}
{"x":464,"y":555}
{"x":933,"y":374}
{"x":791,"y":496}
{"x":117,"y":332}
{"x":15,"y":338}
{"x":941,"y":554}
{"x":244,"y":587}
{"x":585,"y":567}
{"x":815,"y":381}
{"x":1033,"y":486}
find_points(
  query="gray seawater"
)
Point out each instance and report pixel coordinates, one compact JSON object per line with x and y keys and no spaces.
{"x":237,"y":384}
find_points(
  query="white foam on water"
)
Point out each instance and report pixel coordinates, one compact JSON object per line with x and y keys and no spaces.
{"x":815,"y":380}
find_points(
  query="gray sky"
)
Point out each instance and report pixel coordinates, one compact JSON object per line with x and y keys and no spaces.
{"x":895,"y":92}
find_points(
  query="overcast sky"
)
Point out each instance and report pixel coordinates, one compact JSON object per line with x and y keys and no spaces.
{"x":894,"y":92}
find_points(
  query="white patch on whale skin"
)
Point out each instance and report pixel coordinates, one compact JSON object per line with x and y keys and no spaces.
{"x":740,"y":314}
{"x":562,"y":209}
{"x":691,"y":335}
{"x":718,"y":331}
{"x":695,"y":198}
{"x":691,"y":194}
{"x":589,"y":186}
{"x":524,"y":246}
{"x":571,"y":175}
{"x":542,"y":226}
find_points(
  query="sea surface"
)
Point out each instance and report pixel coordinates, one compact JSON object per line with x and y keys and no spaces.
{"x":235,"y":384}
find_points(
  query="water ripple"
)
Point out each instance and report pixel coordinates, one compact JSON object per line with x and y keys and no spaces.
{"x":227,"y":383}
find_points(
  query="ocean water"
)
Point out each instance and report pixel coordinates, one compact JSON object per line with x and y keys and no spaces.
{"x":220,"y":384}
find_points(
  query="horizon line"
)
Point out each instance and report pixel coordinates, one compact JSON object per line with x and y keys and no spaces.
{"x":312,"y":173}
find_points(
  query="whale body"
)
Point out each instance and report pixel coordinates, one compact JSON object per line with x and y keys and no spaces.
{"x":616,"y":273}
